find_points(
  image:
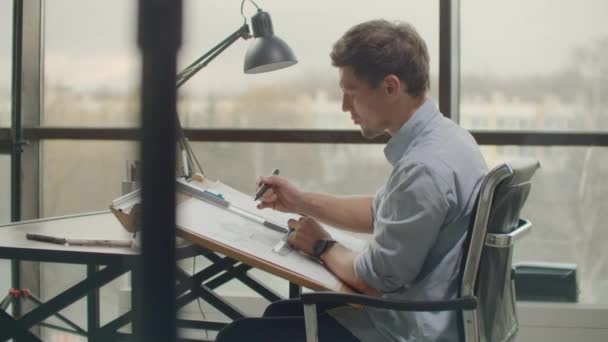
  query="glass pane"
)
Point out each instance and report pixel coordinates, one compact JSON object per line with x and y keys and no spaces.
{"x":91,"y":74}
{"x":334,"y":168}
{"x":5,"y":184}
{"x":568,"y":209}
{"x":6,"y":61}
{"x":91,"y":63}
{"x":6,"y":38}
{"x":305,"y":95}
{"x":83,"y":176}
{"x":549,"y":71}
{"x":5,"y":217}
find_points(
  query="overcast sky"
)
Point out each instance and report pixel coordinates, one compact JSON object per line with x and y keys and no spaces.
{"x":92,"y":43}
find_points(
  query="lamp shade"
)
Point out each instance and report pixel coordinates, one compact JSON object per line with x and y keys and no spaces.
{"x":267,"y":52}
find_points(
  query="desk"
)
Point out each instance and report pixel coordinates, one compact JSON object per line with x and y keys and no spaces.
{"x":117,"y":261}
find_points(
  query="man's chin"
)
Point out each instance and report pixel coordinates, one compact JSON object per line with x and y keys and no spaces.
{"x":369,"y":135}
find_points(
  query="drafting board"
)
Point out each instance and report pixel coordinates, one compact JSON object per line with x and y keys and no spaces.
{"x":222,"y":230}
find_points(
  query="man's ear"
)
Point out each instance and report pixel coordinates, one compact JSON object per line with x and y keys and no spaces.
{"x":393,"y":85}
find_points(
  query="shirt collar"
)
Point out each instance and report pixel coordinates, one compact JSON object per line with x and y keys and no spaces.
{"x":399,"y":143}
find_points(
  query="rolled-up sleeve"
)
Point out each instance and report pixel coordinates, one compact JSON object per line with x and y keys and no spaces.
{"x":406,"y":224}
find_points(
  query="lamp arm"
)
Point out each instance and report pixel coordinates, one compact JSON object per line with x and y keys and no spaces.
{"x":201,"y":62}
{"x":184,"y":76}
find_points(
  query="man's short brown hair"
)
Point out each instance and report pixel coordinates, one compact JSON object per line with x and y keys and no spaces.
{"x":377,"y":48}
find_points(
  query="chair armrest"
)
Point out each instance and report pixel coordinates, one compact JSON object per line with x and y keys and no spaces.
{"x":507,"y":240}
{"x":463,"y":303}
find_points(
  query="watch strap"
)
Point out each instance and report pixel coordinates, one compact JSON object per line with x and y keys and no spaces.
{"x":321,"y":246}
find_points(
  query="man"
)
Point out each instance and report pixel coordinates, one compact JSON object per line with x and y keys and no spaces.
{"x":418,"y":218}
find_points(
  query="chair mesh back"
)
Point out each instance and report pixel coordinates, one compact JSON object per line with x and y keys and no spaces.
{"x":498,"y":317}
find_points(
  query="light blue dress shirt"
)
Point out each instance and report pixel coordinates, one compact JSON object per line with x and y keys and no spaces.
{"x":420,"y":218}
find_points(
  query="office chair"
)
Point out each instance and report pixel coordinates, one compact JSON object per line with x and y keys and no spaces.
{"x":487,"y":299}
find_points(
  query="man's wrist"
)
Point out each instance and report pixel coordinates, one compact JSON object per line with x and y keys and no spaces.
{"x":325,"y":254}
{"x":306,"y":204}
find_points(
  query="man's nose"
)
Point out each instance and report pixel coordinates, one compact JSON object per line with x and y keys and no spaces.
{"x":345,"y":104}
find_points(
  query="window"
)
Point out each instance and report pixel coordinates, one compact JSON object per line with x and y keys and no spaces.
{"x":535,"y":65}
{"x":6,"y":38}
{"x":567,"y":207}
{"x":76,"y":180}
{"x":5,"y":183}
{"x":83,"y":176}
{"x":6,"y":35}
{"x":303,"y":96}
{"x":91,"y":63}
{"x":92,"y":73}
{"x":542,"y":74}
{"x":5,"y":217}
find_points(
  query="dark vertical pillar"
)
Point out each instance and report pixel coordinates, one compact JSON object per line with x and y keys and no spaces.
{"x":16,"y":111}
{"x":449,"y":58}
{"x":25,"y":106}
{"x":159,"y":38}
{"x":15,"y":138}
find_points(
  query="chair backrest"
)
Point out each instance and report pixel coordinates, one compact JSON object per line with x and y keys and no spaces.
{"x":487,"y":265}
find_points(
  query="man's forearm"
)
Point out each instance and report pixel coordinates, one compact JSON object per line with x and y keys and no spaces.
{"x":341,"y":261}
{"x":353,"y":213}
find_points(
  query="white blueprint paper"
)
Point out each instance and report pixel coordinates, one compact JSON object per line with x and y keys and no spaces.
{"x":232,"y":230}
{"x":237,"y":232}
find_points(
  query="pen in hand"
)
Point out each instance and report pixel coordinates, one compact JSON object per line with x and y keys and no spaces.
{"x":264,"y":187}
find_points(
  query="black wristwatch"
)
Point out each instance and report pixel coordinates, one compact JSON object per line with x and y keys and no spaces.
{"x":321,"y":246}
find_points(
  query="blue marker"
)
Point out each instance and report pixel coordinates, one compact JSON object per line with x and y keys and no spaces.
{"x":214,"y":194}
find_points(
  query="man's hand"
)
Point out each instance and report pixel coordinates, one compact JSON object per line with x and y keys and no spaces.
{"x":282,"y":195}
{"x":338,"y":259}
{"x":306,"y":232}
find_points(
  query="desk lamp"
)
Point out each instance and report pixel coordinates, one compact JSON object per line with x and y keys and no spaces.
{"x":266,"y":53}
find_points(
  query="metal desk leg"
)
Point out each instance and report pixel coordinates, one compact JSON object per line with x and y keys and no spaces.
{"x":240,"y":273}
{"x":295,"y":290}
{"x":12,"y":330}
{"x":19,"y":327}
{"x":92,"y":305}
{"x":69,"y":296}
{"x":136,"y":298}
{"x":16,"y":284}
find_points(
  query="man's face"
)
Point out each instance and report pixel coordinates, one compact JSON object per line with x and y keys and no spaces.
{"x":365,"y":104}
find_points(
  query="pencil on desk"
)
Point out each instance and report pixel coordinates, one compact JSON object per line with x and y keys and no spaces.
{"x":80,"y":242}
{"x":46,"y":238}
{"x":100,"y":243}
